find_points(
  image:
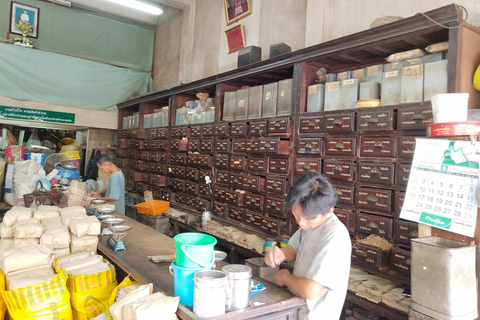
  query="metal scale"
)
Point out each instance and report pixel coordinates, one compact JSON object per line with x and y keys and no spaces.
{"x":118,"y":233}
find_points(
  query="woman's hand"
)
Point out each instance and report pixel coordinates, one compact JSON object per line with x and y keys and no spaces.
{"x":274,"y":257}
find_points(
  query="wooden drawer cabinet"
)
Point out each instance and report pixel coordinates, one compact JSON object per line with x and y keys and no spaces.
{"x":238,"y":130}
{"x":176,"y":171}
{"x":279,"y":126}
{"x":162,"y":145}
{"x":376,"y":120}
{"x":253,"y":183}
{"x":223,"y":145}
{"x":382,"y":173}
{"x":178,"y":158}
{"x":406,"y":147}
{"x":238,"y":163}
{"x":152,"y":134}
{"x":347,"y":217}
{"x":196,"y":131}
{"x":254,"y":201}
{"x":372,"y":224}
{"x":193,"y":145}
{"x":258,"y":128}
{"x":379,"y":146}
{"x":180,"y":198}
{"x":400,"y":261}
{"x":145,"y":178}
{"x":340,"y":146}
{"x":236,"y":198}
{"x":276,"y":185}
{"x":158,"y":180}
{"x":340,"y":123}
{"x":278,"y":165}
{"x":191,"y":187}
{"x":191,"y":173}
{"x":204,"y":190}
{"x":138,"y":165}
{"x":222,"y":129}
{"x":181,"y":132}
{"x":139,"y":144}
{"x":161,"y":157}
{"x":207,"y":130}
{"x":222,"y":161}
{"x":304,"y":165}
{"x":160,"y":168}
{"x":239,"y":145}
{"x":273,"y":226}
{"x":206,"y":146}
{"x":275,"y":206}
{"x":202,"y":160}
{"x":376,"y":200}
{"x":176,"y":184}
{"x":345,"y":193}
{"x":253,"y":219}
{"x":403,"y":172}
{"x":257,"y":164}
{"x":339,"y":170}
{"x":220,"y":194}
{"x":405,"y":231}
{"x":310,"y":146}
{"x":162,"y":133}
{"x":220,"y":209}
{"x":311,"y":124}
{"x":174,"y":144}
{"x":398,"y":202}
{"x":222,"y":177}
{"x":202,"y":173}
{"x":268,"y":145}
{"x":414,"y":118}
{"x":369,"y":256}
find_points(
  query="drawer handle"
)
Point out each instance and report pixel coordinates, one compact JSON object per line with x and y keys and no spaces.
{"x":275,"y":184}
{"x":308,"y":146}
{"x":378,"y":144}
{"x":374,"y":170}
{"x":306,"y":167}
{"x":249,"y":181}
{"x":269,"y":225}
{"x":408,"y":262}
{"x":339,"y":145}
{"x":235,"y":180}
{"x":253,"y":200}
{"x":419,"y":117}
{"x":413,"y":234}
{"x":257,"y":128}
{"x":267,"y":145}
{"x":372,"y":225}
{"x":256,"y":163}
{"x":339,"y":192}
{"x":372,"y":198}
{"x":230,"y":196}
{"x":252,"y":146}
{"x":338,"y":168}
{"x":360,"y":253}
{"x":273,"y":204}
{"x":311,"y":124}
{"x":337,"y":122}
{"x":252,"y":219}
{"x":277,"y":124}
{"x":374,"y":120}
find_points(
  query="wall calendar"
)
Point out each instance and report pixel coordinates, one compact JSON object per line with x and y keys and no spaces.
{"x":442,"y":184}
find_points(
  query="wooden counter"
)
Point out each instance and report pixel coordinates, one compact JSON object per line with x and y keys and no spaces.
{"x":142,"y":241}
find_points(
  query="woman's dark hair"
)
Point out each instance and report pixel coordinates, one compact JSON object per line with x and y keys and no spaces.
{"x":314,"y":192}
{"x":104,"y":159}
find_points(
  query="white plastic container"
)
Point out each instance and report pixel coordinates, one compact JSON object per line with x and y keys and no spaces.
{"x":209,"y":293}
{"x":450,"y":107}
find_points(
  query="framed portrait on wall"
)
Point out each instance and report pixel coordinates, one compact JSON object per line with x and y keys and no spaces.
{"x":236,"y":10}
{"x":235,"y":39}
{"x":20,"y":11}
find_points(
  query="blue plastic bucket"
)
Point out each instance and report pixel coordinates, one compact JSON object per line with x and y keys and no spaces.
{"x":194,"y":250}
{"x":183,"y":282}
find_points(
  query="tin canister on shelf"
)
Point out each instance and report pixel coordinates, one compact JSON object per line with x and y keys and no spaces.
{"x":269,"y":244}
{"x":238,"y":286}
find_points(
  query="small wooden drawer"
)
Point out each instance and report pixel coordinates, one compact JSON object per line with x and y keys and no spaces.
{"x":207,"y":130}
{"x":371,"y":224}
{"x":238,"y":129}
{"x":147,"y":144}
{"x":202,"y":173}
{"x":161,"y":156}
{"x":370,"y":256}
{"x":254,"y":201}
{"x":178,"y":158}
{"x":162,"y":133}
{"x":220,"y":194}
{"x":405,"y":231}
{"x":236,"y":214}
{"x":304,"y":165}
{"x":176,"y":184}
{"x":181,"y":132}
{"x":133,"y":134}
{"x":239,"y":146}
{"x":273,"y":226}
{"x":403,"y":172}
{"x":345,"y":193}
{"x":340,"y":146}
{"x":174,"y":143}
{"x":180,"y":198}
{"x":152,"y":133}
{"x":159,"y":168}
{"x":398,"y":202}
{"x":138,"y":165}
{"x":339,"y":170}
{"x":202,"y":204}
{"x":268,"y":145}
{"x":253,"y":219}
{"x":204,"y":190}
{"x":278,"y":165}
{"x":222,"y":129}
{"x":376,"y":200}
{"x":257,"y":164}
{"x":121,"y":152}
{"x":253,"y":183}
{"x":311,"y":124}
{"x":406,"y":147}
{"x":139,"y":144}
{"x":279,"y":126}
{"x":258,"y":128}
{"x":236,"y":198}
{"x":340,"y":123}
{"x":222,"y":177}
{"x":347,"y":217}
{"x":191,"y":187}
{"x":383,"y":173}
{"x":152,"y":156}
{"x":223,"y":145}
{"x":122,"y":143}
{"x":193,"y":145}
{"x":310,"y":146}
{"x":121,"y":134}
{"x":380,"y":146}
{"x":158,"y":180}
{"x":276,"y":185}
{"x":196,"y":131}
{"x":400,"y":261}
{"x":206,"y":146}
{"x":238,"y":162}
{"x":220,"y":209}
{"x":145,"y":178}
{"x":190,"y":201}
{"x":414,"y":118}
{"x":222,"y":161}
{"x":178,"y":171}
{"x":137,"y":154}
{"x":203,"y":160}
{"x":236,"y":180}
{"x":120,"y":162}
{"x":376,"y":120}
{"x":162,"y":145}
{"x":141,"y":134}
{"x":275,"y":206}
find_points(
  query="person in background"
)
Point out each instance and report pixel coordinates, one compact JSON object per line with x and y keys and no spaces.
{"x":115,"y":192}
{"x":321,"y":249}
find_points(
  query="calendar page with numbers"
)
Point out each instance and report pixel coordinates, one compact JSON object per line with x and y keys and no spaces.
{"x":441,"y":186}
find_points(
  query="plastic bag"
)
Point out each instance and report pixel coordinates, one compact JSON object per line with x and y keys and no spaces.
{"x":24,"y":175}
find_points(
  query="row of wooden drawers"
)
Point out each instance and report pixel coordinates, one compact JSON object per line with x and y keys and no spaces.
{"x":396,"y":259}
{"x":153,"y":133}
{"x":193,"y":201}
{"x":238,"y":180}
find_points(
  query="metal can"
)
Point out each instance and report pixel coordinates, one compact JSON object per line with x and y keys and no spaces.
{"x":238,"y":286}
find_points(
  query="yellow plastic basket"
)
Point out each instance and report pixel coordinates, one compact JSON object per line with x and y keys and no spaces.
{"x":153,"y":207}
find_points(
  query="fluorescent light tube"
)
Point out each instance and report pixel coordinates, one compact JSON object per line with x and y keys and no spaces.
{"x":138,"y":5}
{"x":62,"y":2}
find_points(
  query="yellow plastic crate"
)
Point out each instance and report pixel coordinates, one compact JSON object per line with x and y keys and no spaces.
{"x":153,"y":207}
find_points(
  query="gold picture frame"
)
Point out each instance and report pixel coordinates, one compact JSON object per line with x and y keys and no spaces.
{"x":235,"y":39}
{"x":236,"y":10}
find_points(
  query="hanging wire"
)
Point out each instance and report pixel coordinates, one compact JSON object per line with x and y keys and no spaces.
{"x":441,"y":25}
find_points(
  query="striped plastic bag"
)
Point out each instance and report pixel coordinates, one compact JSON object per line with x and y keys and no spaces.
{"x":44,"y":301}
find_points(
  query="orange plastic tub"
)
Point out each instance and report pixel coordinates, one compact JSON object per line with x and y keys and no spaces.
{"x":153,"y":207}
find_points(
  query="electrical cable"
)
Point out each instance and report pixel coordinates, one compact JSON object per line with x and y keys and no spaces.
{"x":441,"y":25}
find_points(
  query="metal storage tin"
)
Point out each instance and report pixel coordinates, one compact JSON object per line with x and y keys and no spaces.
{"x":315,"y":97}
{"x":411,"y":84}
{"x":369,"y":90}
{"x":255,"y":99}
{"x":434,"y":79}
{"x":269,"y":106}
{"x":284,"y":101}
{"x":241,"y":111}
{"x":391,"y":87}
{"x":374,"y":73}
{"x":229,"y":104}
{"x":350,"y":91}
{"x":238,"y":286}
{"x":333,"y":94}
